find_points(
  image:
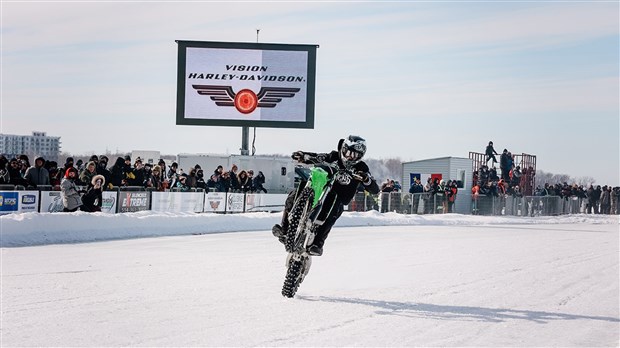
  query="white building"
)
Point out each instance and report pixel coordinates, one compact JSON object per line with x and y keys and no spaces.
{"x":146,"y":156}
{"x":445,"y":168}
{"x":36,"y":145}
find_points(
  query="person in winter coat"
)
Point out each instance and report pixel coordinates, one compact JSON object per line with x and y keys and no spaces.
{"x":14,"y":173}
{"x":68,"y":164}
{"x":224,"y":183}
{"x":490,"y":154}
{"x":88,"y":173}
{"x":505,"y":165}
{"x":451,"y":191}
{"x":155,"y":179}
{"x":37,"y":174}
{"x":348,"y":155}
{"x":258,"y":182}
{"x":71,"y":199}
{"x":117,"y":173}
{"x":615,"y":192}
{"x":605,"y":200}
{"x":93,"y":198}
{"x":172,"y":176}
{"x":55,"y":174}
{"x":200,"y":180}
{"x":182,"y":183}
{"x":102,"y":168}
{"x":232,"y":174}
{"x":4,"y":174}
{"x":244,"y":182}
{"x":191,"y":178}
{"x":139,"y":173}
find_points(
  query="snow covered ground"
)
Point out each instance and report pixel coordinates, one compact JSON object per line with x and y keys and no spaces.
{"x":385,"y":280}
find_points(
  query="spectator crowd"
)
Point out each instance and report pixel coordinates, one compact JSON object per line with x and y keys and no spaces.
{"x":81,"y":183}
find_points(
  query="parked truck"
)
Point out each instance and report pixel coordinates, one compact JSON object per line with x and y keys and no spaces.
{"x":279,"y":171}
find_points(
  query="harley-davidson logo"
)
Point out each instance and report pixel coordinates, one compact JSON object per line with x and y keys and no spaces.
{"x":246,"y":101}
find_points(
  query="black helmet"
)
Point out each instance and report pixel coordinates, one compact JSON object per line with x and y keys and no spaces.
{"x":352,"y":149}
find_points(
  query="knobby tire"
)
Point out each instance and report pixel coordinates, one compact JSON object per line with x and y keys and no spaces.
{"x":299,"y":212}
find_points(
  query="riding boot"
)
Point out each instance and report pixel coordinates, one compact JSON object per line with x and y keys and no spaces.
{"x":280,"y":231}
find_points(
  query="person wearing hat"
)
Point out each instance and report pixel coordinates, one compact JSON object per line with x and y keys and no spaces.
{"x":490,"y":154}
{"x":92,"y":200}
{"x":136,"y":175}
{"x":71,"y":199}
{"x":182,"y":183}
{"x":172,"y":175}
{"x":102,"y":168}
{"x":14,"y":173}
{"x":68,"y":163}
{"x":117,"y":173}
{"x":37,"y":174}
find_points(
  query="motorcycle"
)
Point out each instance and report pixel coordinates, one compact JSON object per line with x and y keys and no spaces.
{"x":307,"y":214}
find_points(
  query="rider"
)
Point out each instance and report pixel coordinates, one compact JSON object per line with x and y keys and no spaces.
{"x":348,"y":156}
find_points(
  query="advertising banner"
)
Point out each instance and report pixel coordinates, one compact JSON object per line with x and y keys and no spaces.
{"x":264,"y":202}
{"x":28,"y":201}
{"x":133,"y":201}
{"x":246,"y":84}
{"x":234,"y":202}
{"x":9,"y":202}
{"x":178,"y":201}
{"x":109,"y":203}
{"x":215,"y":202}
{"x":51,"y":202}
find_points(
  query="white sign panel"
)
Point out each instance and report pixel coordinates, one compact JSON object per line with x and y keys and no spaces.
{"x":178,"y":201}
{"x":215,"y":202}
{"x":264,"y":202}
{"x":234,"y":202}
{"x":110,"y":201}
{"x":243,"y":84}
{"x":51,"y":202}
{"x":28,"y":201}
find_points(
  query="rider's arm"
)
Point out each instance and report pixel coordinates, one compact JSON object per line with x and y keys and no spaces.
{"x":370,"y":184}
{"x":313,"y":158}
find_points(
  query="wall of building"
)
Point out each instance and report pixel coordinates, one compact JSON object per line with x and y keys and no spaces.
{"x":35,"y":145}
{"x":450,"y":168}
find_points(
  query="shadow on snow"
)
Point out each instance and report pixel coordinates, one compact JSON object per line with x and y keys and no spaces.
{"x":427,"y":310}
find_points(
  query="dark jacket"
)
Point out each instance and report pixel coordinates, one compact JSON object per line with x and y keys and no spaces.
{"x":117,"y":173}
{"x":37,"y":175}
{"x":344,"y":187}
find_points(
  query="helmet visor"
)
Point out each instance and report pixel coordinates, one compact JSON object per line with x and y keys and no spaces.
{"x":350,"y":154}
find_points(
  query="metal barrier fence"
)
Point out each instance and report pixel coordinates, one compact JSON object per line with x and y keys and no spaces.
{"x":138,"y":198}
{"x":423,"y":203}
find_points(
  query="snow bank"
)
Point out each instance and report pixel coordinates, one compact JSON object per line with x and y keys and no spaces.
{"x":55,"y":228}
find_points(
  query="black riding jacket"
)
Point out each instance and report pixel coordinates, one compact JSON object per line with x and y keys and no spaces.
{"x":345,"y":186}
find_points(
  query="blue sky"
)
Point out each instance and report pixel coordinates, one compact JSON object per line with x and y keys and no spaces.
{"x":417,"y":79}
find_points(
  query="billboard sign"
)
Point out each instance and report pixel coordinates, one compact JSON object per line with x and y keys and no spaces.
{"x":246,"y":84}
{"x":133,"y":201}
{"x":9,"y":202}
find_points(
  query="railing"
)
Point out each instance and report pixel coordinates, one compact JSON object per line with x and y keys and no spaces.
{"x":48,"y":199}
{"x":424,"y":203}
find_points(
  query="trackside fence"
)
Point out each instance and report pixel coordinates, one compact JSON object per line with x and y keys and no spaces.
{"x":134,"y":199}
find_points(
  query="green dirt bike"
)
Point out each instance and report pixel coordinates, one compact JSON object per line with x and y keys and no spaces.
{"x":303,"y":221}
